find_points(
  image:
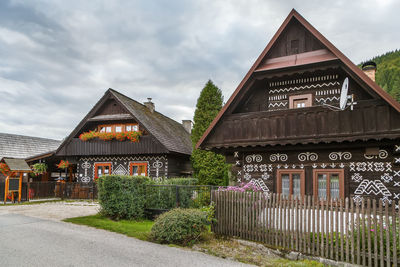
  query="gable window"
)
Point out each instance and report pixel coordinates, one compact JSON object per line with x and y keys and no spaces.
{"x":328,"y":184}
{"x":291,"y":182}
{"x":300,"y":101}
{"x":101,"y":169}
{"x":118,"y":128}
{"x":138,"y":168}
{"x":131,"y":127}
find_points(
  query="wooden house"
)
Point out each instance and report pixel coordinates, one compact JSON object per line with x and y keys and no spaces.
{"x":283,"y":129}
{"x":163,"y":150}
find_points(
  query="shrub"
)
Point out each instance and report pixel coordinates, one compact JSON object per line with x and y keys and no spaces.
{"x":179,"y":226}
{"x":180,"y":181}
{"x":122,"y":197}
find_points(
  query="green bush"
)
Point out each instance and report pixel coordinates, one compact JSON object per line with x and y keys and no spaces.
{"x":179,"y":226}
{"x":122,"y":197}
{"x":180,"y":181}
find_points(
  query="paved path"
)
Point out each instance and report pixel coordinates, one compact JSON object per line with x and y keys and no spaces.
{"x":33,"y":241}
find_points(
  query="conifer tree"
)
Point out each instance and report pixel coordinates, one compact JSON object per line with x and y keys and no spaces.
{"x":210,"y":168}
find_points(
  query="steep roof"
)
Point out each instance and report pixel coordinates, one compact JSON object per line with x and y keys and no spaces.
{"x":331,"y":53}
{"x":20,"y":146}
{"x":171,"y":134}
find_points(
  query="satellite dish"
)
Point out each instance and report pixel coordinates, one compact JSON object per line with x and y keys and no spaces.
{"x":343,"y":94}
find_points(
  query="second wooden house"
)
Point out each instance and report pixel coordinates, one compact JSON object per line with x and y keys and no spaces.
{"x":162,"y":150}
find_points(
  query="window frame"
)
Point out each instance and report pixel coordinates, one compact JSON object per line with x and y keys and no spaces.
{"x":101,"y":164}
{"x":293,"y":98}
{"x":328,"y":184}
{"x":291,"y":172}
{"x":113,"y":126}
{"x":137,"y":163}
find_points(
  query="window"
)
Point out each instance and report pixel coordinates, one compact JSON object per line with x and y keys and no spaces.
{"x":118,"y":128}
{"x":329,"y":184}
{"x":138,"y":168}
{"x":101,"y":169}
{"x":291,"y":182}
{"x":300,"y":101}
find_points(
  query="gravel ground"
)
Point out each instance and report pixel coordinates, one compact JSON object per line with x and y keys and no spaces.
{"x":53,"y":210}
{"x":33,"y":236}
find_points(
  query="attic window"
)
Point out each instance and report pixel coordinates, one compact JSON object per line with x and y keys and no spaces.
{"x":118,"y":128}
{"x":300,"y":101}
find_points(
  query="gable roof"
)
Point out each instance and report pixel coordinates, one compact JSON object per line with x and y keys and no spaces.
{"x":171,"y":134}
{"x":17,"y":165}
{"x":331,"y":54}
{"x":20,"y":146}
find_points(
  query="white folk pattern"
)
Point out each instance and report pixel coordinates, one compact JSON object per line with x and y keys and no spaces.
{"x":357,"y":177}
{"x":339,"y":155}
{"x":278,"y":157}
{"x":307,"y":156}
{"x":386,"y":177}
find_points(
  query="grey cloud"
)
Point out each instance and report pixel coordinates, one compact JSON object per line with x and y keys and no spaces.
{"x":58,"y":57}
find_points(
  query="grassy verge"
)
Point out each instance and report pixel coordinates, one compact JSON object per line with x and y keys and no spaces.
{"x":31,"y":202}
{"x":220,"y":247}
{"x":137,"y":229}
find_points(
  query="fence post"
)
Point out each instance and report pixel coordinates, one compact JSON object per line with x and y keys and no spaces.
{"x":177,"y":195}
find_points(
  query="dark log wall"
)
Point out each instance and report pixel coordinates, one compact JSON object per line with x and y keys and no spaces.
{"x":294,"y":39}
{"x":157,"y":165}
{"x":111,"y":107}
{"x":179,"y":166}
{"x":369,"y":120}
{"x":146,"y":145}
{"x":373,"y":176}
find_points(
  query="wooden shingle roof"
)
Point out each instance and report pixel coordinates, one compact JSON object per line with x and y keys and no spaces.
{"x":20,"y":146}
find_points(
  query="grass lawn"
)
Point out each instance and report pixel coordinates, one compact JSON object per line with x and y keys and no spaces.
{"x":138,"y":229}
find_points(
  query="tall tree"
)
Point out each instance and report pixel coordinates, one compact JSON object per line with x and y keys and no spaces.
{"x":210,"y":168}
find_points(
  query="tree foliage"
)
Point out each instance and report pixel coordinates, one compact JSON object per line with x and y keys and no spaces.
{"x":388,"y":72}
{"x":210,"y":168}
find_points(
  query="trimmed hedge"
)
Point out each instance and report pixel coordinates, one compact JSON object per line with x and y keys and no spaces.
{"x":179,"y":226}
{"x":122,"y":197}
{"x":180,"y":181}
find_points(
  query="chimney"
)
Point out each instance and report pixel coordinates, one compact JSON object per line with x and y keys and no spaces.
{"x":150,"y":105}
{"x":369,"y":68}
{"x":187,"y":124}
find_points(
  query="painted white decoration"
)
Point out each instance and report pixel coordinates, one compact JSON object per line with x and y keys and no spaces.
{"x":236,"y":154}
{"x":255,"y":168}
{"x":396,"y":160}
{"x":296,"y":88}
{"x":157,"y":165}
{"x":253,"y":158}
{"x":385,"y":200}
{"x":260,"y":184}
{"x":397,"y":148}
{"x":386,"y":177}
{"x":247,"y":176}
{"x":396,"y":184}
{"x":265,"y":176}
{"x":278,"y":166}
{"x":356,"y":177}
{"x":396,"y":196}
{"x":383,"y":154}
{"x":307,"y":156}
{"x":120,"y":170}
{"x":237,"y":163}
{"x":372,"y":187}
{"x":396,"y":173}
{"x":278,"y":157}
{"x":239,"y":172}
{"x":323,"y":165}
{"x":263,"y":167}
{"x":379,"y":166}
{"x":370,"y":166}
{"x":357,"y":199}
{"x":341,"y":165}
{"x":333,"y":165}
{"x":327,"y":99}
{"x":314,"y":166}
{"x":340,"y":155}
{"x":352,"y":166}
{"x":86,"y":165}
{"x":388,"y":166}
{"x":270,"y":167}
{"x":278,"y":104}
{"x":361,"y":166}
{"x":302,"y":166}
{"x":286,"y":166}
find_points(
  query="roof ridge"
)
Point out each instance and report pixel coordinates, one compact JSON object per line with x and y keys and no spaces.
{"x":36,"y":137}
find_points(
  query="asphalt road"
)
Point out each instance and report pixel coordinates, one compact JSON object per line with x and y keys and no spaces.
{"x":30,"y":241}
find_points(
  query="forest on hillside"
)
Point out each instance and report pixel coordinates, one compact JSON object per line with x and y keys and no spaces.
{"x":388,"y":72}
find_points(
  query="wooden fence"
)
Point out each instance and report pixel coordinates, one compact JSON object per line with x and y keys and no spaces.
{"x":365,"y":233}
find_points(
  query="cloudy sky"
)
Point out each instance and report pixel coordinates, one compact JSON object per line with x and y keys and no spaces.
{"x":57,"y":58}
